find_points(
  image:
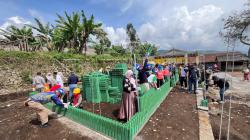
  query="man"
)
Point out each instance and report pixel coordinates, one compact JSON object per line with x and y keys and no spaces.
{"x":36,"y":101}
{"x":223,"y":86}
{"x":72,"y":82}
{"x":192,"y":78}
{"x":183,"y":76}
{"x":38,"y":82}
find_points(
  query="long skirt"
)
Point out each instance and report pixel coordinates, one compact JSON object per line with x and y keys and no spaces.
{"x":128,"y":106}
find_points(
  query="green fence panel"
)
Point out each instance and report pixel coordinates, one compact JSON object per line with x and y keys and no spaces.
{"x":149,"y":102}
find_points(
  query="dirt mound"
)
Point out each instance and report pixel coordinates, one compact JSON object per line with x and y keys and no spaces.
{"x":19,"y":123}
{"x":175,"y":119}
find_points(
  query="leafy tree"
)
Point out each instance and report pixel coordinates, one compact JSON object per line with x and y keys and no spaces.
{"x":69,"y":28}
{"x":133,"y":38}
{"x":147,"y":48}
{"x":59,"y":39}
{"x":117,"y":50}
{"x":87,"y":27}
{"x":76,"y":29}
{"x":236,"y":27}
{"x":23,"y":37}
{"x":44,"y":35}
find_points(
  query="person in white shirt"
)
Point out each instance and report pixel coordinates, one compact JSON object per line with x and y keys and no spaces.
{"x":38,"y":82}
{"x":59,"y":79}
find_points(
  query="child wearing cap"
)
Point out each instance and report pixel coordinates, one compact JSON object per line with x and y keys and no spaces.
{"x":77,"y":97}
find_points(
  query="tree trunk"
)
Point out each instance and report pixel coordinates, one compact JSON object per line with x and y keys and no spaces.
{"x":20,"y":46}
{"x":84,"y":45}
{"x":48,"y":44}
{"x":61,"y":48}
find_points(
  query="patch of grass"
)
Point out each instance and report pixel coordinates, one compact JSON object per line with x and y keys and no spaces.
{"x":26,"y":77}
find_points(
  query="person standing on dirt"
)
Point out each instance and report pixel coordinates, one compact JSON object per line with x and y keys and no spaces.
{"x":38,"y":82}
{"x":166,"y":73}
{"x":192,"y":78}
{"x":183,"y":76}
{"x":246,"y":74}
{"x":72,"y":82}
{"x":160,"y":77}
{"x":223,"y":86}
{"x":128,"y":104}
{"x":36,"y":101}
{"x":143,"y":74}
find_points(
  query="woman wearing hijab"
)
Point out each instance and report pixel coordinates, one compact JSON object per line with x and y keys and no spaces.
{"x":128,"y":105}
{"x":50,"y":80}
{"x":59,"y":79}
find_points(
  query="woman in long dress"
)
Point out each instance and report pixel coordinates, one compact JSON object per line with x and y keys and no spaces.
{"x":59,"y":79}
{"x":128,"y":104}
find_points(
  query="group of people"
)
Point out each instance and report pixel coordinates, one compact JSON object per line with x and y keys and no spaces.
{"x":150,"y":77}
{"x":53,"y":89}
{"x":154,"y":77}
{"x":192,"y":75}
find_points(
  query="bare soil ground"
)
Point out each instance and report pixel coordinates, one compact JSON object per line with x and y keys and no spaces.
{"x":175,"y":119}
{"x":240,"y":122}
{"x":19,"y":123}
{"x":240,"y":113}
{"x":104,"y":109}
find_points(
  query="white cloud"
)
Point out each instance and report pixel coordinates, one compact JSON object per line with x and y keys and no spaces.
{"x":126,"y":5}
{"x":16,"y":21}
{"x":117,"y":36}
{"x":183,"y":28}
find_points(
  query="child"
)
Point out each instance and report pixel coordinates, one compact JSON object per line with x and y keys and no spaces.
{"x":152,"y":80}
{"x":77,"y":97}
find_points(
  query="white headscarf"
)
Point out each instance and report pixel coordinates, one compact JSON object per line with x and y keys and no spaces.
{"x":50,"y":78}
{"x":59,"y":79}
{"x":129,"y":75}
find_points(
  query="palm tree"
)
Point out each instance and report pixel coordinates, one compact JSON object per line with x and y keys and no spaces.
{"x":87,"y":28}
{"x":77,"y":29}
{"x":44,"y":33}
{"x":21,"y":36}
{"x":69,"y":28}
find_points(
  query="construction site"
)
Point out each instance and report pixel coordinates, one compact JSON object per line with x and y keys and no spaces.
{"x":125,"y":70}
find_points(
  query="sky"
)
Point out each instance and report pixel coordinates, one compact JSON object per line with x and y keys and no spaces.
{"x":181,"y":24}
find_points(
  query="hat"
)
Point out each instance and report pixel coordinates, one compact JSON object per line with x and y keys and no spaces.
{"x":60,"y":91}
{"x":76,"y":91}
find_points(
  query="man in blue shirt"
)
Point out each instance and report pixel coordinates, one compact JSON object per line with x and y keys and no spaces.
{"x":36,"y":101}
{"x":72,"y":82}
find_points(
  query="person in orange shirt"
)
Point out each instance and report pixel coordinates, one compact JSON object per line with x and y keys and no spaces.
{"x":166,"y":73}
{"x":160,"y":77}
{"x":46,"y":87}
